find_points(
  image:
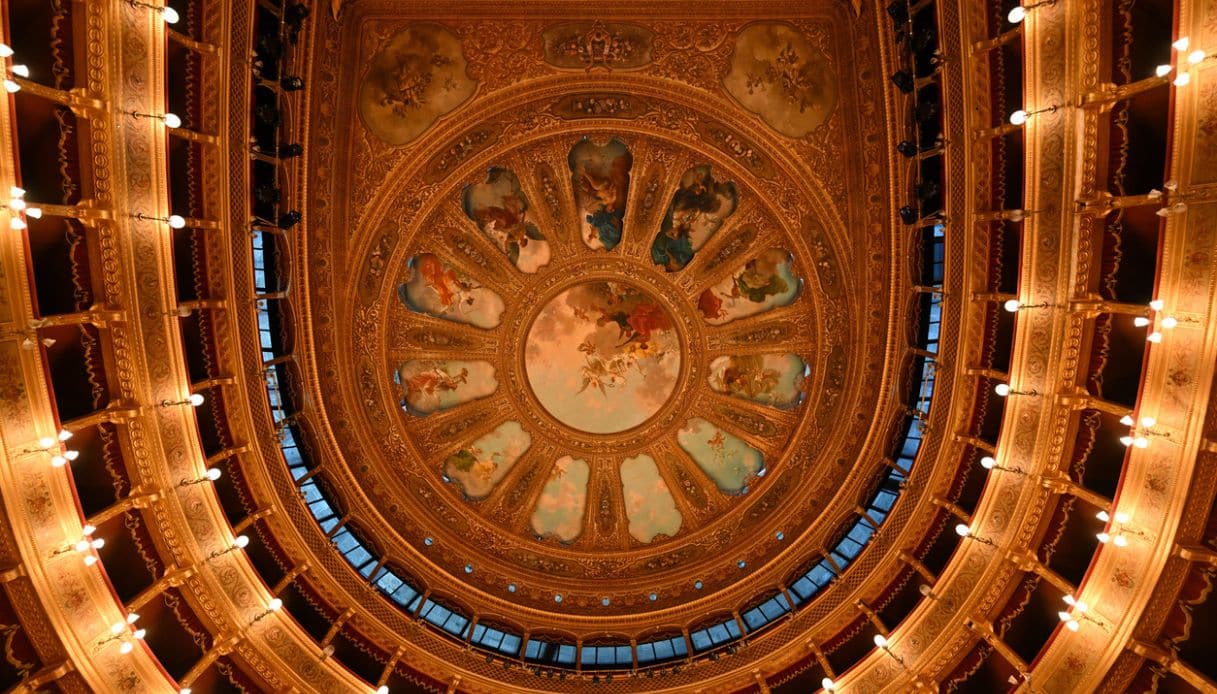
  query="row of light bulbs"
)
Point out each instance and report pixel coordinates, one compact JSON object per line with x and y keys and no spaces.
{"x":1182,"y":79}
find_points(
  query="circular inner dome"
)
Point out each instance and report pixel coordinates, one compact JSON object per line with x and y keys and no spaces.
{"x":603,"y":357}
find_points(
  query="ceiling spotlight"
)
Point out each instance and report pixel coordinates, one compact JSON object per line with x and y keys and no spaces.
{"x":1182,"y":79}
{"x":1103,"y":516}
{"x":1195,"y":57}
{"x":1140,"y":321}
{"x":6,"y":51}
{"x":903,"y":81}
{"x":21,"y":71}
{"x":11,"y":87}
{"x":1163,"y":70}
{"x":1126,"y":420}
{"x":1170,"y":322}
{"x":1148,"y":421}
{"x":1181,"y":44}
{"x":1154,"y":337}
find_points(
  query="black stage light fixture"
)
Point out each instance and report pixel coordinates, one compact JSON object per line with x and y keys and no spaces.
{"x":287,"y":220}
{"x":908,"y":214}
{"x":907,"y":147}
{"x":903,"y":81}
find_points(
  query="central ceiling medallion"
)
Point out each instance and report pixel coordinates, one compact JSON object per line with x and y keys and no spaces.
{"x":603,"y":356}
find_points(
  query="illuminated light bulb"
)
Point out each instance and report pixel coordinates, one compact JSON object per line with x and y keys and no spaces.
{"x":1122,"y":517}
{"x":117,"y":627}
{"x":64,"y":435}
{"x":1157,"y":304}
{"x":963,"y":530}
{"x":241,"y":542}
{"x":1072,"y":625}
{"x":1065,"y":616}
{"x":58,"y":461}
{"x":71,"y":455}
{"x":1126,"y":440}
{"x":988,"y":462}
{"x":170,"y":15}
{"x":1195,"y":56}
{"x":1170,"y":322}
{"x":1103,"y":516}
{"x":1140,"y":442}
{"x":34,"y":212}
{"x":1012,"y":305}
{"x":1002,"y":389}
{"x":176,"y":221}
{"x":88,"y":529}
{"x":382,"y":689}
{"x":21,"y":71}
{"x":1182,"y":79}
{"x":880,"y":640}
{"x":1154,"y":337}
{"x":1120,"y":541}
{"x":132,"y":618}
{"x":46,"y":442}
{"x":90,"y":560}
{"x":171,"y":120}
{"x":213,"y":473}
{"x":1140,"y":321}
{"x":184,"y":690}
{"x":1162,"y":70}
{"x":1017,"y":14}
{"x":275,"y":604}
{"x":139,"y":633}
{"x":1148,"y":421}
{"x":16,"y":223}
{"x":16,"y":204}
{"x":196,"y":399}
{"x":126,"y":647}
{"x":1104,"y":538}
{"x":16,"y":191}
{"x":11,"y":87}
{"x":6,"y":51}
{"x":1126,"y":420}
{"x":828,"y":685}
{"x":82,"y":546}
{"x":1181,"y":44}
{"x":98,"y":543}
{"x":1018,"y":117}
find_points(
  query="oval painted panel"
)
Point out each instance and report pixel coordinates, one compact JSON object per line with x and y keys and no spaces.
{"x":478,"y":467}
{"x":432,"y":385}
{"x":725,"y":458}
{"x":559,"y":509}
{"x":770,"y":379}
{"x":437,"y":289}
{"x":648,"y":501}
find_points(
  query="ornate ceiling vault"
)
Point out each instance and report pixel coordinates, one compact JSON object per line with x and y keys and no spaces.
{"x":539,"y":346}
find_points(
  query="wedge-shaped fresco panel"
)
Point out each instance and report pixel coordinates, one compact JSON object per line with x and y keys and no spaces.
{"x":416,"y":77}
{"x":770,"y":379}
{"x":429,"y":386}
{"x":600,"y":177}
{"x":437,"y":289}
{"x":698,"y":209}
{"x":478,"y":467}
{"x":559,"y":510}
{"x":761,"y":284}
{"x":727,"y":460}
{"x":648,"y":501}
{"x":500,"y":210}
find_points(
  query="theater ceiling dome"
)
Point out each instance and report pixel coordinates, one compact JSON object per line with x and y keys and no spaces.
{"x":733,"y":346}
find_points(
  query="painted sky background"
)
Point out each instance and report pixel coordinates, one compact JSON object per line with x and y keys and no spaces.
{"x":554,"y":366}
{"x":648,"y":501}
{"x":559,"y":510}
{"x":496,"y":452}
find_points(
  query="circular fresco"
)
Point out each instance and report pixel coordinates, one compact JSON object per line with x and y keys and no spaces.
{"x":602,"y":357}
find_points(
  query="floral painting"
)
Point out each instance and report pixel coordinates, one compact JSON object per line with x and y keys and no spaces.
{"x":770,"y":379}
{"x":649,"y":506}
{"x":437,"y":289}
{"x":432,"y":385}
{"x":602,"y":357}
{"x":776,"y":73}
{"x":500,"y":209}
{"x":416,"y":77}
{"x":698,"y":208}
{"x":727,"y":460}
{"x":478,"y":467}
{"x":559,"y":510}
{"x":600,"y":177}
{"x":763,"y":283}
